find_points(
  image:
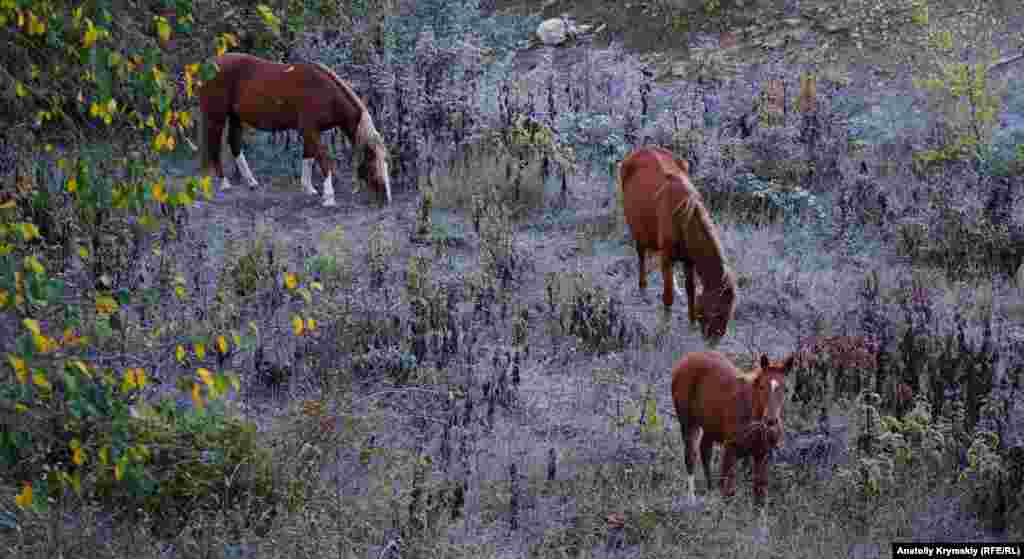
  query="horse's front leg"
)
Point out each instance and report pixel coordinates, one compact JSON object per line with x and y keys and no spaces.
{"x":214,"y":142}
{"x":728,"y":479}
{"x":235,"y":143}
{"x":641,"y":253}
{"x":691,"y":289}
{"x":760,"y":479}
{"x":326,"y":167}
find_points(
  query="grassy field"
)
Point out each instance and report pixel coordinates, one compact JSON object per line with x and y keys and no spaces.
{"x":485,"y":378}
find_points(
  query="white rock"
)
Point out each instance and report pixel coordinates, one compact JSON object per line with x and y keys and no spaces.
{"x":553,"y":31}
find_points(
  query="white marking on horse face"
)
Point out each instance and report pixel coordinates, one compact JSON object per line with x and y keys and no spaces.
{"x":289,"y":69}
{"x":774,"y":384}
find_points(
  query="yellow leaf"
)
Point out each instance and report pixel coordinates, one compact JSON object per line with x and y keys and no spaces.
{"x":236,"y":338}
{"x":291,"y":281}
{"x":43,"y":343}
{"x":179,"y":291}
{"x":24,"y":499}
{"x":200,"y":350}
{"x":83,"y":252}
{"x":19,"y":89}
{"x":105,"y":304}
{"x":197,"y":398}
{"x":4,"y":297}
{"x":72,"y":184}
{"x":179,"y":354}
{"x":205,"y":375}
{"x":128,"y":381}
{"x":20,"y":408}
{"x":222,"y":344}
{"x":111,"y":105}
{"x":205,"y":184}
{"x":297,"y":325}
{"x":105,"y":455}
{"x":76,"y":482}
{"x":91,"y":34}
{"x":317,"y":286}
{"x":118,"y":470}
{"x":39,"y":379}
{"x":31,"y":325}
{"x":114,"y":59}
{"x":310,"y":324}
{"x":33,"y":265}
{"x":29,"y":231}
{"x":77,"y":455}
{"x":81,"y":366}
{"x":18,"y":364}
{"x":158,"y":189}
{"x":163,"y":29}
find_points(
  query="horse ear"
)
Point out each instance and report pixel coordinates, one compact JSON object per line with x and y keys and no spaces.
{"x":764,"y":361}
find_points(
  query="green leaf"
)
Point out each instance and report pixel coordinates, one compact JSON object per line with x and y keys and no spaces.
{"x":71,"y":387}
{"x":123,"y":296}
{"x":103,"y":328}
{"x":25,"y":347}
{"x":208,"y":71}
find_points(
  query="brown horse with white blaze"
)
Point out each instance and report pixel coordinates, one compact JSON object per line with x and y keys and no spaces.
{"x":667,"y":215}
{"x":716,"y":403}
{"x":307,"y":97}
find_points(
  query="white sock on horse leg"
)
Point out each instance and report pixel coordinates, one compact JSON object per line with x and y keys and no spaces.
{"x":693,"y":488}
{"x":328,"y":192}
{"x":225,"y":184}
{"x":243,"y":165}
{"x":307,"y":177}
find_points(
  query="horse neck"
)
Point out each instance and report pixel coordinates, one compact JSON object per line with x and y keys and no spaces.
{"x":347,"y":116}
{"x":348,"y":110}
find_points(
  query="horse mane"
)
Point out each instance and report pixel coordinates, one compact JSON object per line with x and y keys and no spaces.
{"x":693,"y":206}
{"x":366,"y":133}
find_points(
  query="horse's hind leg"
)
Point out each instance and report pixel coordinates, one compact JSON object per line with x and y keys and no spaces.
{"x":692,"y":436}
{"x":235,"y":143}
{"x":666,"y":276}
{"x":706,"y":448}
{"x":214,"y":141}
{"x":313,"y":149}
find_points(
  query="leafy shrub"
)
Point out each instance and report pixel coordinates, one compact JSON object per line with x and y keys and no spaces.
{"x":208,"y":460}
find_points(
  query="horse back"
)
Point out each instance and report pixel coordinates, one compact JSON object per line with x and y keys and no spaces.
{"x":648,"y":177}
{"x":707,"y":390}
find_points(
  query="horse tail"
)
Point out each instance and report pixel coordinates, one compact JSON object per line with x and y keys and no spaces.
{"x":204,"y":148}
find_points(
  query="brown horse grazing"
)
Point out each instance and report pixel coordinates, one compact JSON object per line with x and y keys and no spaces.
{"x":666,"y":214}
{"x":306,"y":97}
{"x":716,"y":403}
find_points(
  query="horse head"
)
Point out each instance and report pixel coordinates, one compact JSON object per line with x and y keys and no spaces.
{"x":768,"y":394}
{"x":370,"y":157}
{"x":374,"y":169}
{"x":716,"y":307}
